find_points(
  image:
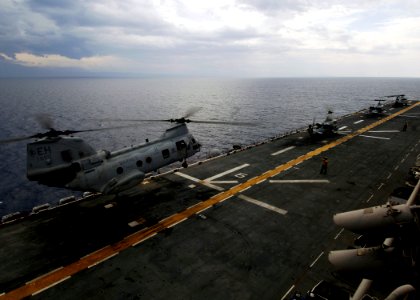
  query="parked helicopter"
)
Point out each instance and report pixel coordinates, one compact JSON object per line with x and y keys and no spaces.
{"x":378,"y":109}
{"x":327,"y":128}
{"x":400,"y":100}
{"x":59,"y":159}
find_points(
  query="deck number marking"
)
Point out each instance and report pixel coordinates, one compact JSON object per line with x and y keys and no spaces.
{"x":241,"y":175}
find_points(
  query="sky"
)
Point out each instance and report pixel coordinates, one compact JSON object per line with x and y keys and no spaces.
{"x":217,"y":38}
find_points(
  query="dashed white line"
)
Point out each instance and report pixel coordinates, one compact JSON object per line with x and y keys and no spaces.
{"x":288,"y":292}
{"x":44,"y":275}
{"x":301,"y":181}
{"x":94,"y":252}
{"x":51,"y":285}
{"x":338,"y":234}
{"x":375,"y":137}
{"x":283,"y":150}
{"x":227,"y":172}
{"x":204,"y":209}
{"x":389,"y":176}
{"x":102,"y":260}
{"x":382,"y":184}
{"x":341,"y":128}
{"x":360,"y":121}
{"x":146,"y":238}
{"x":371,"y":196}
{"x":245,"y":189}
{"x":396,"y":168}
{"x":383,"y":131}
{"x":314,"y":262}
{"x":176,"y":223}
{"x":261,"y":181}
{"x":263,"y":204}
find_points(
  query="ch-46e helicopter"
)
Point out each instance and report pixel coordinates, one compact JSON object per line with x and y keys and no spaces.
{"x":57,"y":158}
{"x":400,"y":100}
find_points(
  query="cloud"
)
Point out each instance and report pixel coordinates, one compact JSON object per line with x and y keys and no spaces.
{"x":261,"y":37}
{"x":59,"y":61}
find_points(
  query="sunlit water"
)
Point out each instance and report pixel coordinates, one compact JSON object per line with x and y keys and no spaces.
{"x":275,"y":105}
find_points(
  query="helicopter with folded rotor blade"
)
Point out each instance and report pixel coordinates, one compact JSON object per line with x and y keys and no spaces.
{"x":60,"y":159}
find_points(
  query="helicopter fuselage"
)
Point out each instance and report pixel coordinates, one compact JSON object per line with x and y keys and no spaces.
{"x":71,"y":163}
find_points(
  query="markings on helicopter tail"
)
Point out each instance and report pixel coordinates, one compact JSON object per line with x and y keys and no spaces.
{"x":375,"y":137}
{"x":283,"y":150}
{"x":263,"y":204}
{"x":341,"y":128}
{"x":226,"y":172}
{"x":301,"y":181}
{"x":82,"y":264}
{"x":360,"y":121}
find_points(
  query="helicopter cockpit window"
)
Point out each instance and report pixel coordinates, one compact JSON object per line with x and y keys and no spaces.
{"x":180,"y":145}
{"x":66,"y":155}
{"x":165,"y":153}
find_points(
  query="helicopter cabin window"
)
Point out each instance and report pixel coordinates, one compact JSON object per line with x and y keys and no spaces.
{"x":180,"y":145}
{"x":148,"y":159}
{"x":139,"y":163}
{"x":120,"y":170}
{"x":66,"y":155}
{"x":165,"y":153}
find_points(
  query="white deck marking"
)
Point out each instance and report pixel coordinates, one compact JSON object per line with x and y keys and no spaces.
{"x":102,"y":260}
{"x":227,"y":172}
{"x":383,"y":131}
{"x":225,"y":181}
{"x":191,"y":186}
{"x":186,"y":176}
{"x":51,"y":285}
{"x":176,"y":223}
{"x":288,"y":292}
{"x":44,"y":275}
{"x":110,"y":205}
{"x":146,"y":238}
{"x":389,"y":176}
{"x":283,"y":150}
{"x":360,"y":121}
{"x":375,"y":137}
{"x":338,"y":234}
{"x":301,"y":181}
{"x":314,"y":262}
{"x":371,"y":196}
{"x":382,"y":184}
{"x":341,"y":128}
{"x":262,"y":204}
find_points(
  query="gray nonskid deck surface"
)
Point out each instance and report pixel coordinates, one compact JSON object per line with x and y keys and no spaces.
{"x":262,"y":243}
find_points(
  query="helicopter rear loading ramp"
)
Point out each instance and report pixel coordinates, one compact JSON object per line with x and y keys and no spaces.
{"x":253,"y":224}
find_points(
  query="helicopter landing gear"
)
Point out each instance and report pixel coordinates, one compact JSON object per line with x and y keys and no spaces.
{"x":185,"y":164}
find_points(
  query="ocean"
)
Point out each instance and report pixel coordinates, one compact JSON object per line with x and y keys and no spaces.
{"x":275,"y":105}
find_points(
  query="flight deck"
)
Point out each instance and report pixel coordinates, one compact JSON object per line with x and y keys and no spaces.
{"x":256,"y":223}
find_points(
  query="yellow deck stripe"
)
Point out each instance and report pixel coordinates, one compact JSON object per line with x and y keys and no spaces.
{"x":59,"y":275}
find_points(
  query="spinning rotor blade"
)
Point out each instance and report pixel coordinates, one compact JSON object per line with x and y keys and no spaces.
{"x":192,"y":111}
{"x":56,"y":133}
{"x":45,"y":120}
{"x":223,"y":123}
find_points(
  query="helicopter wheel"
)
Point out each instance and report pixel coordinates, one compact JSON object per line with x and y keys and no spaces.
{"x":185,"y":164}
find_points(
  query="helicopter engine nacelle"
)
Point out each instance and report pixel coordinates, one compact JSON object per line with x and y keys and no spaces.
{"x":375,"y":219}
{"x":50,"y":160}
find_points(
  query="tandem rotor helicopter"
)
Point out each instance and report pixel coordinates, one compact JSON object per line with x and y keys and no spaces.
{"x":59,"y":159}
